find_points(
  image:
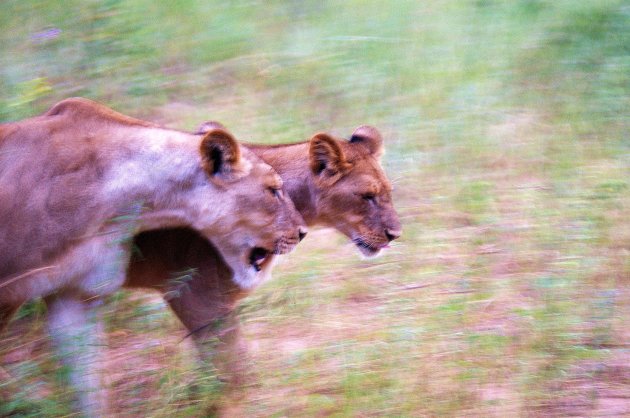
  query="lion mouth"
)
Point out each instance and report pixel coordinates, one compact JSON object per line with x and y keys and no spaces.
{"x":366,"y":248}
{"x":284,"y":247}
{"x":259,"y":257}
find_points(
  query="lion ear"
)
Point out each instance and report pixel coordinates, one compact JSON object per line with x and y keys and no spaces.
{"x":220,"y":153}
{"x":370,"y":138}
{"x":209,"y":125}
{"x":326,"y":156}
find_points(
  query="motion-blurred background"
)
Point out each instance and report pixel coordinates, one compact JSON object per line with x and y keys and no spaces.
{"x":506,"y":126}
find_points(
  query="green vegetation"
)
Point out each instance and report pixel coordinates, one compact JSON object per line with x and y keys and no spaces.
{"x":506,"y":126}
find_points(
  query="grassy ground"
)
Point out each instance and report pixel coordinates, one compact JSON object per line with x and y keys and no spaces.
{"x":506,"y":127}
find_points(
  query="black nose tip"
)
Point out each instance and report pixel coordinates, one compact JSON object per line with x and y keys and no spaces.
{"x":392,"y":235}
{"x":302,"y":232}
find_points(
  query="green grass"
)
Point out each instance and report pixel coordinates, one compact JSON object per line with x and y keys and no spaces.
{"x":506,"y":132}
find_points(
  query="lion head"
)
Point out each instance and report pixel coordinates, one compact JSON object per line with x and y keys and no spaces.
{"x":259,"y":219}
{"x":352,"y":192}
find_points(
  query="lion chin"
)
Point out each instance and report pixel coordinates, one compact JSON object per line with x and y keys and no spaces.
{"x":250,"y":275}
{"x":367,"y":249}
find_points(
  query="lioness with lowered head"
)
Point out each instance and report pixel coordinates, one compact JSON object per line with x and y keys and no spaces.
{"x":78,"y":182}
{"x":333,"y":182}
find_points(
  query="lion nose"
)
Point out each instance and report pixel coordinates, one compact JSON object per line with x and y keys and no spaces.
{"x":302,"y":231}
{"x":392,"y":234}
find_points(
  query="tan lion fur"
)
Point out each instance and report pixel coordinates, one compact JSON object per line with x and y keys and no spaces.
{"x":333,"y":182}
{"x":78,"y":182}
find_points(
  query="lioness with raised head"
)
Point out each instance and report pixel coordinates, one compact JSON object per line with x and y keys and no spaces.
{"x":78,"y":182}
{"x":333,"y":182}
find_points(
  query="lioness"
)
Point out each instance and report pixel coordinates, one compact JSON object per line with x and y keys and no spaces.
{"x":78,"y":182}
{"x":332,"y":182}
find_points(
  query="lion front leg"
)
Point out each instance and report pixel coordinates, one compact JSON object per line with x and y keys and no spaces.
{"x":208,"y":314}
{"x":74,"y":316}
{"x":6,"y":313}
{"x":224,"y":348}
{"x":7,"y":387}
{"x":76,"y":331}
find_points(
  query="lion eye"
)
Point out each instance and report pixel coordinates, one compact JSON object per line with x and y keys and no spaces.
{"x":368,"y":196}
{"x":275,"y":192}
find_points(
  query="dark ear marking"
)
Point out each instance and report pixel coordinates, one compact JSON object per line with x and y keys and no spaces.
{"x":219,"y":152}
{"x":370,"y":138}
{"x":217,"y":157}
{"x":326,"y":155}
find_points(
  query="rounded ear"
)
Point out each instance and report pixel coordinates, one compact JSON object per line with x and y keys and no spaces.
{"x":220,"y":152}
{"x":207,"y":126}
{"x":326,"y":156}
{"x":369,"y":137}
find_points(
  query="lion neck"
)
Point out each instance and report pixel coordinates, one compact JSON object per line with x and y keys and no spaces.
{"x":291,"y":162}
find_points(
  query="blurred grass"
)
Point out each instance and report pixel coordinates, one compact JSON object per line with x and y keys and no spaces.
{"x":507,"y":141}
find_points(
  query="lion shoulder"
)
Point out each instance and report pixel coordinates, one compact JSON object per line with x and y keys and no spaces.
{"x":55,"y":170}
